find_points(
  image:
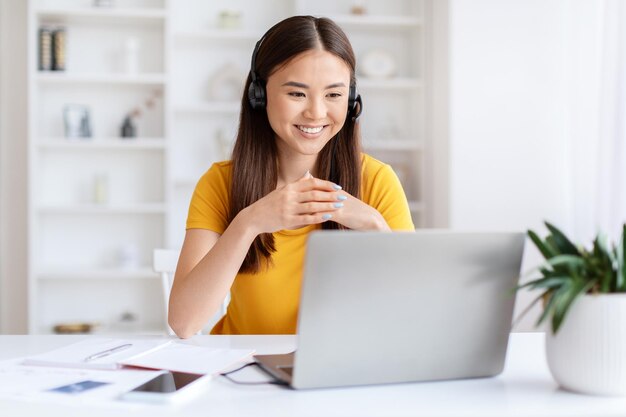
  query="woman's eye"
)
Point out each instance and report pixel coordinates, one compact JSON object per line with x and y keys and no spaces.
{"x":296,"y":94}
{"x":334,"y":95}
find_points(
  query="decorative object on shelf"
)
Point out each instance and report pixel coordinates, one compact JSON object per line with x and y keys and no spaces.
{"x":128,"y":256}
{"x":584,"y":296}
{"x":77,"y":121}
{"x":103,"y":3}
{"x":358,"y":8}
{"x":127,"y":322}
{"x":101,"y":188}
{"x":74,"y":328}
{"x":227,"y":83}
{"x":58,"y":48}
{"x":229,"y":19}
{"x":131,"y":55}
{"x":377,"y":63}
{"x":45,"y":48}
{"x":128,"y":128}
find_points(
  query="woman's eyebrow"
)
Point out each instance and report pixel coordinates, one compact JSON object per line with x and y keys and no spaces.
{"x":302,"y":85}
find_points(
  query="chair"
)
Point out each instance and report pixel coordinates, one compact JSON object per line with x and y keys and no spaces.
{"x":164,"y":262}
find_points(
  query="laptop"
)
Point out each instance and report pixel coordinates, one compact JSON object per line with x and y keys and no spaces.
{"x":378,"y":308}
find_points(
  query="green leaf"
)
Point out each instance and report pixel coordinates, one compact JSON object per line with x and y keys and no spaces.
{"x":548,"y":307}
{"x":565,"y":260}
{"x":545,"y":250}
{"x":561,"y":241}
{"x":621,"y":273}
{"x":563,"y":303}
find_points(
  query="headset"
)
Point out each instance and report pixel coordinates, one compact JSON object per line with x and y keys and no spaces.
{"x":257,"y":97}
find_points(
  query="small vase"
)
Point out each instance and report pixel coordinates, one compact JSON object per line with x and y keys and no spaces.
{"x":588,"y":353}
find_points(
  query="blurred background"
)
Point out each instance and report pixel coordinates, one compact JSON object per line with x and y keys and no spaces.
{"x":495,"y":114}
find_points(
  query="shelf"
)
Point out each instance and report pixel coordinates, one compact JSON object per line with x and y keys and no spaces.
{"x":63,"y":77}
{"x":144,"y":208}
{"x":97,"y":273}
{"x":216,"y":35}
{"x":91,"y":144}
{"x":392,"y":145}
{"x":117,"y":330}
{"x":217,"y":107}
{"x":389,"y":84}
{"x":97,"y":14}
{"x":372,"y":22}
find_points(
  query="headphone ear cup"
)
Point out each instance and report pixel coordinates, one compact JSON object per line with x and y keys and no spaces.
{"x":256,"y":95}
{"x":351,"y":99}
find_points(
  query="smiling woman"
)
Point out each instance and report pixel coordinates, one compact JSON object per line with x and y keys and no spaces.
{"x":296,"y":167}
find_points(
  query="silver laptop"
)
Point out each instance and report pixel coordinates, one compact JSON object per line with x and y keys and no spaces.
{"x":380,"y":308}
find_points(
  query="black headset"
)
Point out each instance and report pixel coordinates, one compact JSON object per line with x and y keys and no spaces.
{"x":257,"y":96}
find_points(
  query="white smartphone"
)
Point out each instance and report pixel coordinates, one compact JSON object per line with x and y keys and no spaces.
{"x":168,"y":387}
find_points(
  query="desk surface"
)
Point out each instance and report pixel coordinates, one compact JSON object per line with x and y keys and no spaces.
{"x":525,"y":388}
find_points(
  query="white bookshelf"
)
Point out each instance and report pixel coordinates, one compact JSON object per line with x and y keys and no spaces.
{"x":76,"y":241}
{"x":90,"y":256}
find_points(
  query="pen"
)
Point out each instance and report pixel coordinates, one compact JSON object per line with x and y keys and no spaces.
{"x":107,"y":352}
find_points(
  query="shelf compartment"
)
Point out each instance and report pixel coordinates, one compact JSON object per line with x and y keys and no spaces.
{"x":98,"y":274}
{"x":72,"y":15}
{"x":215,"y":35}
{"x":93,"y":144}
{"x":97,"y":301}
{"x":389,"y":83}
{"x":65,"y":77}
{"x":377,"y":22}
{"x":146,"y":208}
{"x":216,"y":107}
{"x":392,"y":145}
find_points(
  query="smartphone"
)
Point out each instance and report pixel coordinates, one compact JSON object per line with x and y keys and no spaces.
{"x":168,"y":387}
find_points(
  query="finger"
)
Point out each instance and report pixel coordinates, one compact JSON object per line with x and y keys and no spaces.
{"x":315,"y":218}
{"x":320,"y":196}
{"x":315,"y":207}
{"x":318,"y":184}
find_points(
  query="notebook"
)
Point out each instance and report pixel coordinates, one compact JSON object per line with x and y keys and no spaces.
{"x":103,"y":353}
{"x":83,"y":354}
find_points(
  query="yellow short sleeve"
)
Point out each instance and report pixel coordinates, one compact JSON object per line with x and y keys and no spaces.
{"x":382,"y":190}
{"x":210,"y":203}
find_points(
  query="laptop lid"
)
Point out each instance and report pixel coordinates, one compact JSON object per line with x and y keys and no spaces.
{"x":397,"y":307}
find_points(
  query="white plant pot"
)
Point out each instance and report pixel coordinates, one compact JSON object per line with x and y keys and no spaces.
{"x":588,"y":354}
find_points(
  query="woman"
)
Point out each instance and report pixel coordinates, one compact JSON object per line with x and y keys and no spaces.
{"x":296,"y":167}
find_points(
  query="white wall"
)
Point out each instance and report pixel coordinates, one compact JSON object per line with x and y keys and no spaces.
{"x":13,"y":283}
{"x":508,"y":144}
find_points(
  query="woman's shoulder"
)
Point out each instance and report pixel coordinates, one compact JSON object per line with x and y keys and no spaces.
{"x":371,"y":165}
{"x":219,"y":169}
{"x":218,"y":175}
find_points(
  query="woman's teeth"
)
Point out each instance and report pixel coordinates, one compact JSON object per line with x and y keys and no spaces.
{"x":311,"y":130}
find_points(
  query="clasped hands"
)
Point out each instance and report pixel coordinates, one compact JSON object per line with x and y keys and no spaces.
{"x":309,"y":201}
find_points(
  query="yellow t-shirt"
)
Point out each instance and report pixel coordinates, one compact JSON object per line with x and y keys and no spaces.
{"x":267,"y":302}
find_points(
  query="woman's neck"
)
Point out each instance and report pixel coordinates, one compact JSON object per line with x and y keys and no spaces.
{"x":293,"y":167}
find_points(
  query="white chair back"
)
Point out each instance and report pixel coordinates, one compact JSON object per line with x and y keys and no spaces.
{"x":164,"y":262}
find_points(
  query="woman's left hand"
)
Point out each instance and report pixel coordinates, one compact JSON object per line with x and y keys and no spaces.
{"x":357,"y":215}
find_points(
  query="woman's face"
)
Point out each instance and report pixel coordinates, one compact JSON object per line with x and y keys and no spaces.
{"x":307,"y":102}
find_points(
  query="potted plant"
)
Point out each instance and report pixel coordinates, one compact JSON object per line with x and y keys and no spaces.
{"x":584,"y":296}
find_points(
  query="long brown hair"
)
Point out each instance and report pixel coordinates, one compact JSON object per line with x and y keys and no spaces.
{"x":254,"y":158}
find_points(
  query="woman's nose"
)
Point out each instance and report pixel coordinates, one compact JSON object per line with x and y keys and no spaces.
{"x":315,"y":109}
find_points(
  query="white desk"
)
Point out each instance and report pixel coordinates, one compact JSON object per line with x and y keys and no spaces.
{"x":525,"y":388}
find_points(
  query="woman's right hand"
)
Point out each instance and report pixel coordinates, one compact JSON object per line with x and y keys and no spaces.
{"x":304,"y":202}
